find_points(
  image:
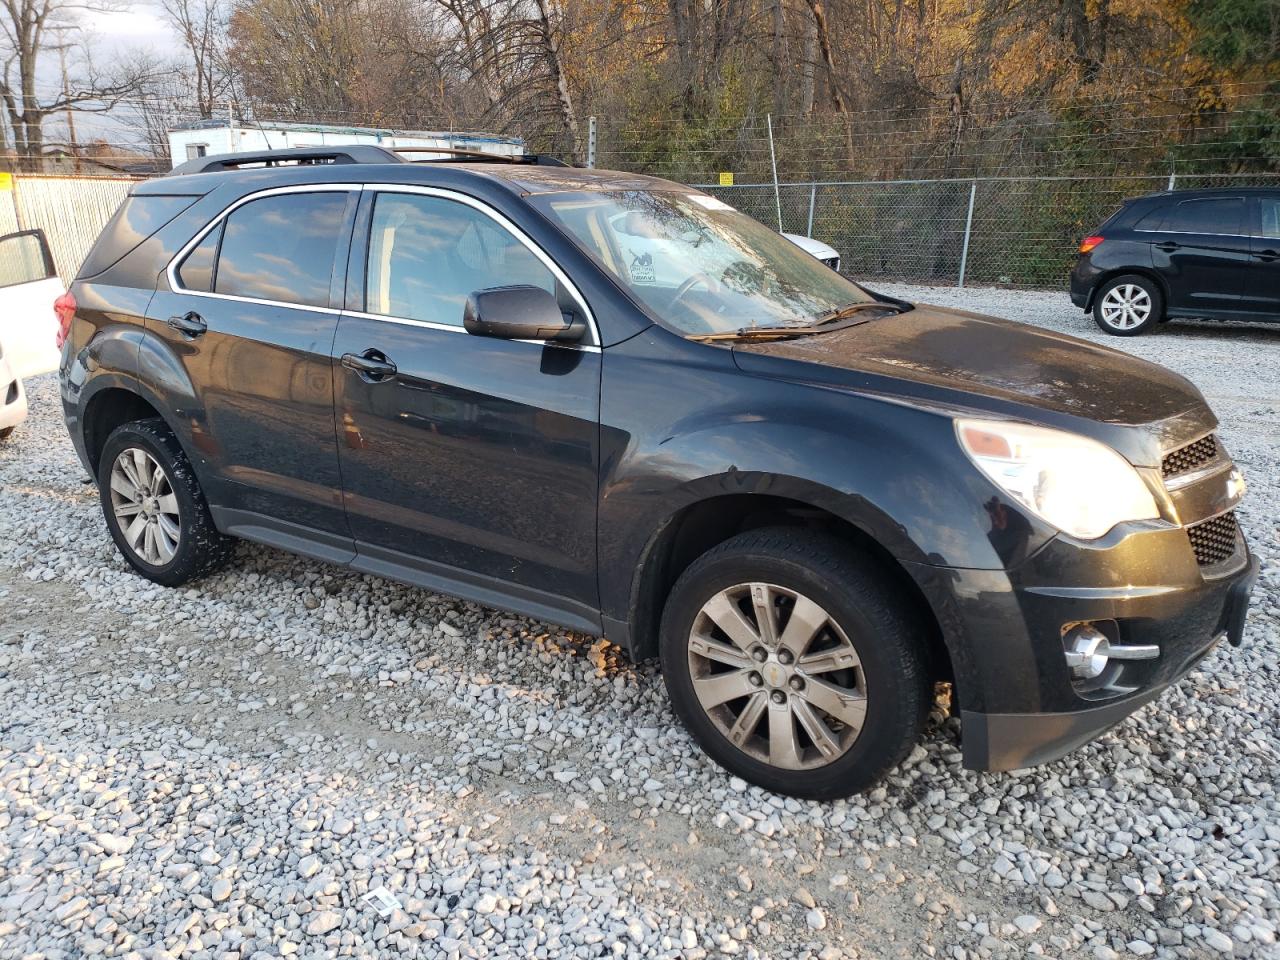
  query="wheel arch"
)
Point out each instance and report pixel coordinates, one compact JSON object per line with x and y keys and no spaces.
{"x":703,"y":524}
{"x":109,"y":402}
{"x":1148,"y":273}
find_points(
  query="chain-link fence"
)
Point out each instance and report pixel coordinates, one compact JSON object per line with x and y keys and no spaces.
{"x":1014,"y":231}
{"x":1010,"y":231}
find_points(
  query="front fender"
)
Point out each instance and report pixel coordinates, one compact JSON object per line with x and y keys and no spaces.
{"x":911,"y":490}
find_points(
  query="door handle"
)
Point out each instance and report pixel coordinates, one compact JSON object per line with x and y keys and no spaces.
{"x":1168,"y":246}
{"x":372,"y":366}
{"x":1267,"y":256}
{"x":189,"y":324}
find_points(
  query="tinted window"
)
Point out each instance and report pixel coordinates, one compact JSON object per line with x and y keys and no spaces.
{"x":196,"y":272}
{"x":282,"y":248}
{"x":1270,"y":209}
{"x":1224,"y":215}
{"x":428,"y":254}
{"x":23,"y":259}
{"x":138,"y":218}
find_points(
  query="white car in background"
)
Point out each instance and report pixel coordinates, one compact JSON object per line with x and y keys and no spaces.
{"x":817,"y":249}
{"x":29,"y":328}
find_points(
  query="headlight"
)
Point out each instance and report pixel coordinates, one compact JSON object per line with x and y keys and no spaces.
{"x":1078,"y":485}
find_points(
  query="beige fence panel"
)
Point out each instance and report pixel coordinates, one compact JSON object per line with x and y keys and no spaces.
{"x":8,"y":213}
{"x":70,"y":210}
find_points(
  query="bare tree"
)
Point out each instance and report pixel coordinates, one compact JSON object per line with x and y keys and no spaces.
{"x":549,"y":33}
{"x":26,"y":29}
{"x":202,"y":27}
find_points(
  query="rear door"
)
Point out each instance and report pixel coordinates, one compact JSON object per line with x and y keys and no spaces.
{"x":1265,"y":273}
{"x":1203,"y":249}
{"x":250,"y":314}
{"x":28,"y":286}
{"x":469,"y":463}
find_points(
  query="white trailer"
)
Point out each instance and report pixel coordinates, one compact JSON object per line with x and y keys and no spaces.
{"x":209,"y":137}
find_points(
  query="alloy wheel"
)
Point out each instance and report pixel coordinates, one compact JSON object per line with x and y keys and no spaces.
{"x":145,"y":506}
{"x":1126,"y":306}
{"x":777,"y":676}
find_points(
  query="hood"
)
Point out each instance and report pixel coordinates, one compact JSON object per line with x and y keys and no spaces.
{"x":969,"y":363}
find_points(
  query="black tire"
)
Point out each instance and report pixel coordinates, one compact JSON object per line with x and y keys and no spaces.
{"x":872,"y":613}
{"x":201,"y":548}
{"x":1154,"y":304}
{"x":5,"y":433}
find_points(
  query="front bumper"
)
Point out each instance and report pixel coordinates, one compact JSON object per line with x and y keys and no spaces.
{"x":1018,"y":703}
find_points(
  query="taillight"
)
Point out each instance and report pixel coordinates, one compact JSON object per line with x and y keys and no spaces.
{"x":65,"y":308}
{"x":1089,"y":243}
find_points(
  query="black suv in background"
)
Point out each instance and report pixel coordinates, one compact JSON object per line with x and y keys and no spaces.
{"x":617,"y":404}
{"x":1213,"y":254}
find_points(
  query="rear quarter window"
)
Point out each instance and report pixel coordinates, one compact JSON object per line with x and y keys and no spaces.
{"x":1215,"y":215}
{"x":137,"y":219}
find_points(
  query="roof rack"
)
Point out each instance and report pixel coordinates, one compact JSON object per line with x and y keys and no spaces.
{"x":347,"y":153}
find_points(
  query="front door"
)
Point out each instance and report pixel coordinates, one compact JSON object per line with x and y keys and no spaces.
{"x":468,"y":463}
{"x":1203,"y":250}
{"x":250,"y":319}
{"x":28,"y":287}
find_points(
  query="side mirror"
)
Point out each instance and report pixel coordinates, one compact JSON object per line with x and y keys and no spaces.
{"x":518,"y":313}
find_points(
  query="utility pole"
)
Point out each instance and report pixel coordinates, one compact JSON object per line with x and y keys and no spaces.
{"x":66,"y":97}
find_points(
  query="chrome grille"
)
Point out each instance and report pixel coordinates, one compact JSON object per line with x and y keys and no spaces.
{"x":1189,"y":457}
{"x":1214,"y":541}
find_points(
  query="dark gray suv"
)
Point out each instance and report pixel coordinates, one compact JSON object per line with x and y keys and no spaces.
{"x":616,"y":404}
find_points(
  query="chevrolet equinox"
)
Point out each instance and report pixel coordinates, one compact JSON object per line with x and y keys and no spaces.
{"x":616,"y":404}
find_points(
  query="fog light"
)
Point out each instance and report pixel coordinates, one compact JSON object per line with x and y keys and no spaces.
{"x":1089,"y":650}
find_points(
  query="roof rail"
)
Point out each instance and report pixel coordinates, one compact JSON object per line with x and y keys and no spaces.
{"x":349,"y":153}
{"x":346,"y":153}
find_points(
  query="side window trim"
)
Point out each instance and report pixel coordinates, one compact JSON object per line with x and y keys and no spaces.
{"x":171,"y":271}
{"x":357,"y":271}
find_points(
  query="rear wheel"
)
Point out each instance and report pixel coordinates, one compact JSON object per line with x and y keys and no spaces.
{"x":794,"y":664}
{"x":154,"y":507}
{"x":5,"y":433}
{"x":1129,"y":305}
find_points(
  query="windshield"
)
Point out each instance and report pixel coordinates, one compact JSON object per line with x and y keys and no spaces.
{"x":696,"y":263}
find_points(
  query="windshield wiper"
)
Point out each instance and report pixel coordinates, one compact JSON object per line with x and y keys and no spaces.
{"x":852,"y":309}
{"x":765,"y":333}
{"x":824,"y":324}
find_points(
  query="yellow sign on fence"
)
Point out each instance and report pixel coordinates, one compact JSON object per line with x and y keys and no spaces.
{"x":6,"y":181}
{"x":726,"y":179}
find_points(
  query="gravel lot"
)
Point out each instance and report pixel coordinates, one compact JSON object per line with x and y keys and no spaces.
{"x":225,"y":771}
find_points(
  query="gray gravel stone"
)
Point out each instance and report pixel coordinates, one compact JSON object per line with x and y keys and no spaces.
{"x":522,"y":791}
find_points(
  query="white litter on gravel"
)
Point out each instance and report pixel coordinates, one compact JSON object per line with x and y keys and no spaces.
{"x":229,"y":770}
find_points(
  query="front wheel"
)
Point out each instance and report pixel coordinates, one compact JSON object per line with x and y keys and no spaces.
{"x":1129,"y":305}
{"x":794,"y":664}
{"x":154,"y":506}
{"x":6,"y":433}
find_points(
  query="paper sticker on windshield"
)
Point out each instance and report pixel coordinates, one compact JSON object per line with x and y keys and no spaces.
{"x":710,"y":203}
{"x":641,"y":268}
